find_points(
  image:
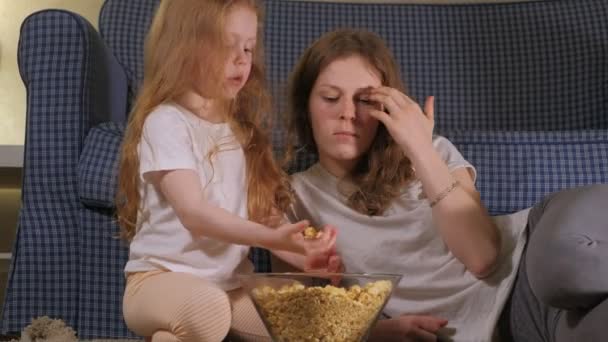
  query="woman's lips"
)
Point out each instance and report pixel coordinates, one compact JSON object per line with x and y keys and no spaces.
{"x":346,"y":134}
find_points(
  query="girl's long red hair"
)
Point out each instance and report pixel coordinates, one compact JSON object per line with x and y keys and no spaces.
{"x":185,"y":43}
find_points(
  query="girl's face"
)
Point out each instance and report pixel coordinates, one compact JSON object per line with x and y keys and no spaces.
{"x":342,"y":128}
{"x":241,"y":35}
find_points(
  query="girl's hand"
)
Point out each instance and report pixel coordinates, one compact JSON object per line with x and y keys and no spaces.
{"x":319,"y":251}
{"x":326,"y":258}
{"x":289,"y":237}
{"x":407,"y":328}
{"x":411,"y":127}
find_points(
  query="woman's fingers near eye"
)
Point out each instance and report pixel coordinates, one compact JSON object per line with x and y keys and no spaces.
{"x":389,"y":105}
{"x":398,"y":96}
{"x":429,"y":107}
{"x":380,"y":116}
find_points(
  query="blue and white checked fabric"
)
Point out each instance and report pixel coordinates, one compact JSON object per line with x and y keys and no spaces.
{"x":72,"y":83}
{"x":45,"y":268}
{"x":101,"y":278}
{"x":102,"y":254}
{"x":517,"y":169}
{"x":98,"y":166}
{"x":123,"y":24}
{"x":538,"y":65}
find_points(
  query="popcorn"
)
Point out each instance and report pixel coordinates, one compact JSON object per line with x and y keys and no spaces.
{"x":298,"y":313}
{"x":311,"y":233}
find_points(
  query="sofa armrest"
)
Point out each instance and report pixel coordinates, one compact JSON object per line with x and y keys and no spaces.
{"x":72,"y":82}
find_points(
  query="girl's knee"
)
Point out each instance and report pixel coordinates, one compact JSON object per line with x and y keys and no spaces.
{"x":206,"y":316}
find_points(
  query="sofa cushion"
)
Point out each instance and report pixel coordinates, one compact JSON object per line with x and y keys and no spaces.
{"x":517,"y":169}
{"x":98,"y":165}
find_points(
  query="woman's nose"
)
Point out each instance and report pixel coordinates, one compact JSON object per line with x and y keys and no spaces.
{"x":349,"y":111}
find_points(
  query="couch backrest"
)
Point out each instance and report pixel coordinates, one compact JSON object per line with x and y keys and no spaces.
{"x":540,"y":65}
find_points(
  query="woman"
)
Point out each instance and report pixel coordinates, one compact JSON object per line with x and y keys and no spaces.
{"x":405,"y":202}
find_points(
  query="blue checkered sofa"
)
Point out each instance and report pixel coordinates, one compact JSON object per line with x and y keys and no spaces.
{"x":522,"y":90}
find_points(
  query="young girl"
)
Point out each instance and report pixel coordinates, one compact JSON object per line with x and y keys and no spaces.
{"x":393,"y":186}
{"x":195,"y":165}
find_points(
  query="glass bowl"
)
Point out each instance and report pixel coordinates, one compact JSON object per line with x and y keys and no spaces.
{"x":339,"y":307}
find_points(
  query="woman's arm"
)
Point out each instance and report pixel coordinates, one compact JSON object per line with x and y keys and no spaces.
{"x":462,"y":220}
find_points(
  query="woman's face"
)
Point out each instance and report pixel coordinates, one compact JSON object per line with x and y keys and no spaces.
{"x":342,"y":128}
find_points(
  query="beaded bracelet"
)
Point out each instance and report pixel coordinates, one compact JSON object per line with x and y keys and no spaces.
{"x":444,"y":193}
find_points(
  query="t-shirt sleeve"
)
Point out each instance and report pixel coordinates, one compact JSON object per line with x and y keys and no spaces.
{"x":165,"y":143}
{"x":452,"y":157}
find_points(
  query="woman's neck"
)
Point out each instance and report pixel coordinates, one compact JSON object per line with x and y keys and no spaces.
{"x":340,"y":169}
{"x":206,"y":109}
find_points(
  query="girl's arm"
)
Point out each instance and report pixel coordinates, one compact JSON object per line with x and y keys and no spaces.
{"x":183,"y":190}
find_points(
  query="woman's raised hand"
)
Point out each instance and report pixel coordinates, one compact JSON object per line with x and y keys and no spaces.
{"x":407,"y":123}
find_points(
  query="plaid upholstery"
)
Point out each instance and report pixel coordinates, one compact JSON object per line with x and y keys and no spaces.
{"x":103,"y":255}
{"x":67,"y":71}
{"x":102,"y":282}
{"x":517,"y":169}
{"x":538,"y":65}
{"x":521,"y":90}
{"x":98,"y":166}
{"x":123,"y":24}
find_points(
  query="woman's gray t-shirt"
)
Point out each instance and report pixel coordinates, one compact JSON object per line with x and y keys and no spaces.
{"x":404,"y":240}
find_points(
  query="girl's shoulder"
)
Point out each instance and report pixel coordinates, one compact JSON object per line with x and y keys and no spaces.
{"x":164,"y":115}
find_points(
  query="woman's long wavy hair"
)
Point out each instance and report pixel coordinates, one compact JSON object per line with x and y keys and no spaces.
{"x":184,"y":47}
{"x":383,"y":170}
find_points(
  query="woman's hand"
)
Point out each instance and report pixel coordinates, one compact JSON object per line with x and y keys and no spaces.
{"x":411,"y":127}
{"x":408,"y":328}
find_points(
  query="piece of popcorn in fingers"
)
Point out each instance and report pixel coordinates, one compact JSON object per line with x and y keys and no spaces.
{"x":311,"y":233}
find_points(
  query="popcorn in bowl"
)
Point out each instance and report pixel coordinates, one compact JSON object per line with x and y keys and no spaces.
{"x":300,"y":307}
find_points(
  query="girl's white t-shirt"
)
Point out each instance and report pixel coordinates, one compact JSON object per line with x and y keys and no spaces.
{"x":405,"y":240}
{"x":175,"y":138}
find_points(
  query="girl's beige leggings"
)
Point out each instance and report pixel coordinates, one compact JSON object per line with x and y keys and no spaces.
{"x":179,"y":307}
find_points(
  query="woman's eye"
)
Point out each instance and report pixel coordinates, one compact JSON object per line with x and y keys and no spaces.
{"x":330,"y":99}
{"x":248,"y":50}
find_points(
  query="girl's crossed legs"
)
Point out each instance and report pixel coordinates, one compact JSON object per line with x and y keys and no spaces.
{"x":179,"y":307}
